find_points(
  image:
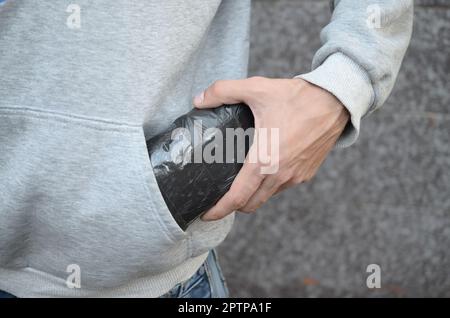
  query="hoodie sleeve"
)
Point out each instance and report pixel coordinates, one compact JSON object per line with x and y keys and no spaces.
{"x":363,"y":47}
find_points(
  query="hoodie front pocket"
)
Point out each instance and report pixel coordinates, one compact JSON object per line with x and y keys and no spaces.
{"x":149,"y":180}
{"x":76,"y":190}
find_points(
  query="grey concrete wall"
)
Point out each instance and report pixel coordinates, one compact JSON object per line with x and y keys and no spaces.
{"x":385,"y":200}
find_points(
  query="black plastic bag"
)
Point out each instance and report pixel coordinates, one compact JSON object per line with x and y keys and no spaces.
{"x":191,"y":186}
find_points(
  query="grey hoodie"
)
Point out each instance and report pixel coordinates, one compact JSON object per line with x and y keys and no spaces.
{"x":84,"y":83}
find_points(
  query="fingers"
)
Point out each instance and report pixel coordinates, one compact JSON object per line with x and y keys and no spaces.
{"x":244,"y":186}
{"x":267,"y":189}
{"x":223,"y":92}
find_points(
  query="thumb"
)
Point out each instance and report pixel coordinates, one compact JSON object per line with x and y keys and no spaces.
{"x":222,"y":92}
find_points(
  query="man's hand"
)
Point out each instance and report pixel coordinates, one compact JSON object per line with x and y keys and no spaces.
{"x":309,"y":119}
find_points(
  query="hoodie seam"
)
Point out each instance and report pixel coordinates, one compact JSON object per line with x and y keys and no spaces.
{"x":61,"y":117}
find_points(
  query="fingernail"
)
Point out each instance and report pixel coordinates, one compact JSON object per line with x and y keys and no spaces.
{"x":198,"y":100}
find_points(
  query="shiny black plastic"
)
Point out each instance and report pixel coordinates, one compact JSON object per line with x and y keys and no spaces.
{"x":189,"y":186}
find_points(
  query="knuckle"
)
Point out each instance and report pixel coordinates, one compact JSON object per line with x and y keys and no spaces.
{"x":256,"y":78}
{"x":260,"y":202}
{"x":258,"y":84}
{"x":239,"y":201}
{"x":298,"y":180}
{"x":247,"y":210}
{"x":217,"y":87}
{"x":263,"y":201}
{"x":308,"y":177}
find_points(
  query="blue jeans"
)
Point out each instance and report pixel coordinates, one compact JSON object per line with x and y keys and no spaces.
{"x":4,"y":294}
{"x":207,"y":282}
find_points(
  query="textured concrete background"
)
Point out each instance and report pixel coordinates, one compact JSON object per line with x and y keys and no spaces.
{"x":385,"y":200}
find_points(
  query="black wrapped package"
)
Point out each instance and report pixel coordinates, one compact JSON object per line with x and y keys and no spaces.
{"x":197,"y":158}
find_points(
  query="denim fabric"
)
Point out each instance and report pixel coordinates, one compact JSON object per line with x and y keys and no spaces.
{"x":207,"y":282}
{"x":4,"y":294}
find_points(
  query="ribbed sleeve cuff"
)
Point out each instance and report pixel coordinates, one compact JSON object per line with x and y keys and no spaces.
{"x":350,"y":83}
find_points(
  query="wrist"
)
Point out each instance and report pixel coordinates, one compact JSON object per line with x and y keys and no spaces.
{"x":321,"y":100}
